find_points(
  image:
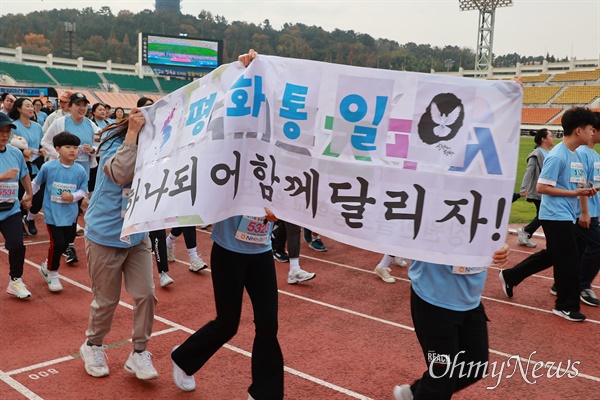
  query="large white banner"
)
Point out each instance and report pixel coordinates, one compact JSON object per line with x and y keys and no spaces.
{"x":415,"y":165}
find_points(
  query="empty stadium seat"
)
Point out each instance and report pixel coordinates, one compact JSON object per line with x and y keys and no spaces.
{"x":538,"y":116}
{"x":26,"y":73}
{"x":73,"y":77}
{"x":574,"y":76}
{"x":539,"y":94}
{"x":578,"y":95}
{"x":131,"y":82}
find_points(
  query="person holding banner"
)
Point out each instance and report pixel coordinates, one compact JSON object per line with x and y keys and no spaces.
{"x":110,"y":259}
{"x":451,"y":326}
{"x":241,"y":257}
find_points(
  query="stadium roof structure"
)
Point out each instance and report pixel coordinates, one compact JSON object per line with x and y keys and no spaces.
{"x":487,"y":16}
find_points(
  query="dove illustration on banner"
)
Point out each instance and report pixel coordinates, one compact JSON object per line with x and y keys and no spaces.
{"x":444,"y":121}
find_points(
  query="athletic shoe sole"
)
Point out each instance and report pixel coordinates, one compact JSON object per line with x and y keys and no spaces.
{"x":569,"y":315}
{"x":507,"y":289}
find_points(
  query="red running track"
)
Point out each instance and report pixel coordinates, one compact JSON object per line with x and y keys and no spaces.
{"x":345,"y":334}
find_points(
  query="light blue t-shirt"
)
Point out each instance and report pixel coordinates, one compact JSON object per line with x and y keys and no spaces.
{"x":438,"y":285}
{"x":33,"y":134}
{"x":101,"y":124}
{"x":11,"y":157}
{"x":224,"y":234}
{"x":591,"y":163}
{"x":103,"y":218}
{"x":59,"y":178}
{"x":41,"y":117}
{"x":85,"y":132}
{"x":564,"y":168}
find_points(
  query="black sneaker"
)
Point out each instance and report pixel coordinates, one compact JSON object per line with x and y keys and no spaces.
{"x":307,"y":235}
{"x":317,"y":245}
{"x":30,"y":224}
{"x":553,"y":291}
{"x":25,"y":233}
{"x":71,"y":255}
{"x":506,"y":287}
{"x":281,"y":257}
{"x":570,"y":315}
{"x":589,"y":297}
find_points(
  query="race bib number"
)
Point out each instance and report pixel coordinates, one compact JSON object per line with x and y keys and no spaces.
{"x":458,"y":270}
{"x":577,"y":173}
{"x":253,"y":230}
{"x":82,"y":155}
{"x":597,"y":171}
{"x":9,"y":192}
{"x":58,"y":189}
{"x":124,"y":201}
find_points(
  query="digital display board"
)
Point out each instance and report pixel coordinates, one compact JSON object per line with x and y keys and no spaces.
{"x":180,"y":56}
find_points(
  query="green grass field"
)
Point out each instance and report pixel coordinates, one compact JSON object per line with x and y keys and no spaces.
{"x":521,"y":211}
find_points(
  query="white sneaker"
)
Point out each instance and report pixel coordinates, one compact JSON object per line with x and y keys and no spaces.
{"x":384,"y":274}
{"x":300,"y":276}
{"x":140,"y":364}
{"x":198,"y":264}
{"x":80,"y":230}
{"x":524,"y":238}
{"x":51,"y":278}
{"x":401,"y":262}
{"x":183,"y":381}
{"x":165,"y":280}
{"x":171,"y":253}
{"x":403,"y":392}
{"x":18,"y":289}
{"x":94,"y":358}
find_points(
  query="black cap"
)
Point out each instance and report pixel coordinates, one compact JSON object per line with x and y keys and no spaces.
{"x":75,"y":97}
{"x":6,"y":121}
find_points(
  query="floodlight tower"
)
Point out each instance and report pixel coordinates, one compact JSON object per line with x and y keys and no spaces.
{"x":485,"y":36}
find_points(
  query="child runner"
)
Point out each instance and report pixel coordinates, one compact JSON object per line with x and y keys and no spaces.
{"x":84,"y":129}
{"x":65,"y":184}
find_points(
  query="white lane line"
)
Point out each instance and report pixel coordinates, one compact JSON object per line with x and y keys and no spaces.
{"x":176,"y":326}
{"x":240,"y":351}
{"x":483,"y":297}
{"x":18,"y":387}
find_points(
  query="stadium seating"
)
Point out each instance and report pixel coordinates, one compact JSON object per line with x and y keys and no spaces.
{"x":535,"y":78}
{"x":172,"y":85}
{"x":131,"y":82}
{"x":575,"y":76}
{"x":75,"y":78}
{"x":578,"y":95}
{"x":539,"y":94}
{"x":26,"y":73}
{"x":557,"y":120}
{"x":538,"y":116}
